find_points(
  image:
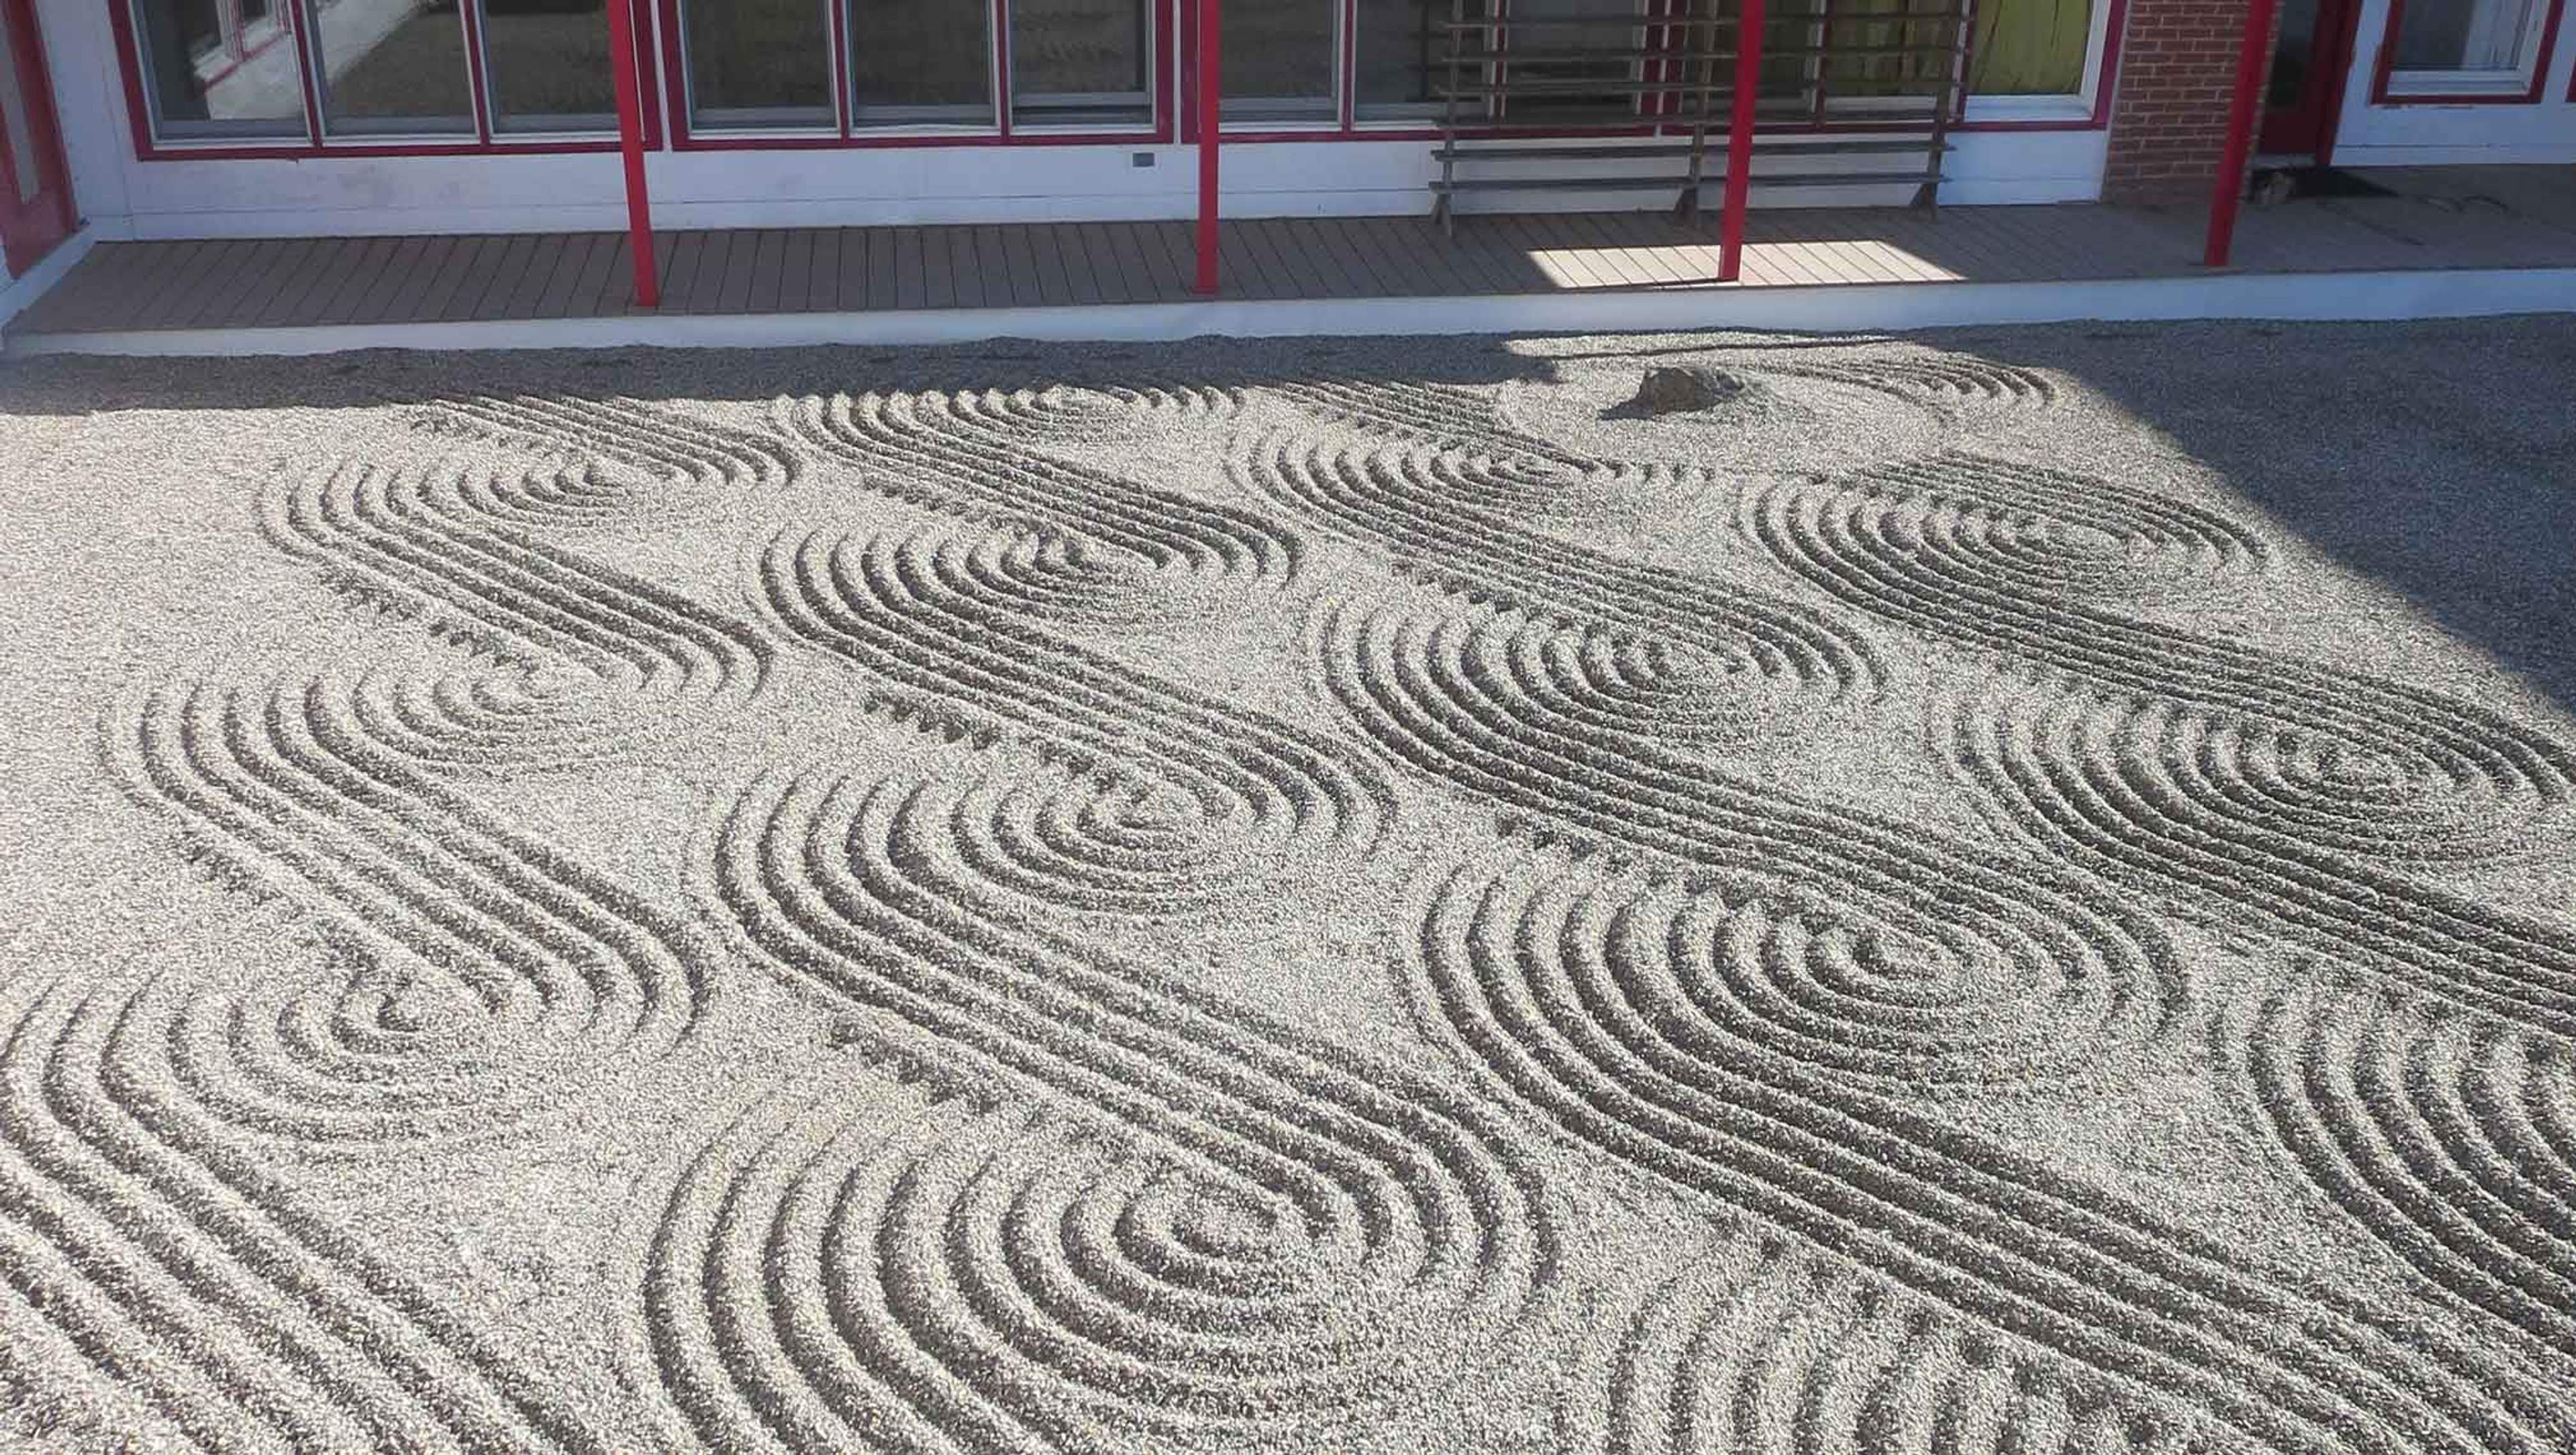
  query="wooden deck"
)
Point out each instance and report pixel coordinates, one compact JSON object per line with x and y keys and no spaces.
{"x":2522,"y":217}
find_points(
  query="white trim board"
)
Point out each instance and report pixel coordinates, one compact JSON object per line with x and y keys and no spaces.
{"x":2389,"y":295}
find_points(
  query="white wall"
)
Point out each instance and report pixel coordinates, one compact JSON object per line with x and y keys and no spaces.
{"x":126,"y":197}
{"x":2434,"y":135}
{"x":89,"y":101}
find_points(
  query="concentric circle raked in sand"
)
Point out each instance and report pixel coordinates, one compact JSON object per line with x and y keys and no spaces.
{"x":1426,"y":510}
{"x":1083,"y":414}
{"x":1234,"y":1223}
{"x":585,"y":659}
{"x":948,"y":453}
{"x":930,"y":1273}
{"x":1167,"y":783}
{"x":1510,"y":974}
{"x":483,"y":978}
{"x":2450,"y":1136}
{"x":2182,"y":761}
{"x":1730,"y":1104}
{"x":1305,"y":897}
{"x":664,"y":444}
{"x":145,"y":1230}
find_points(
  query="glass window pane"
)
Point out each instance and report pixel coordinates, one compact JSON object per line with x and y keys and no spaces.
{"x":548,"y":64}
{"x":1279,"y":61}
{"x":921,"y":61}
{"x":1901,"y":62}
{"x":1608,"y":25}
{"x":204,"y":76}
{"x":2035,"y":47}
{"x":1400,"y":57}
{"x":2292,"y":54}
{"x":392,"y":66}
{"x":1079,"y":62}
{"x":2478,"y":35}
{"x":758,"y":62}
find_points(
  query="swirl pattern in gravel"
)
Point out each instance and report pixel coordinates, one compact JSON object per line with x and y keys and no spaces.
{"x":1314,"y":895}
{"x":1233,"y":1223}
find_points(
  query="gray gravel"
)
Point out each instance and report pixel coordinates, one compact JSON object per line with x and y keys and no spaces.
{"x":2000,"y":890}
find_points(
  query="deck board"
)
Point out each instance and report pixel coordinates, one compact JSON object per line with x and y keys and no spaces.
{"x":473,"y":269}
{"x":1171,"y":269}
{"x":1241,"y":257}
{"x":965,"y":270}
{"x":909,"y":291}
{"x":682,"y":275}
{"x":355,"y":268}
{"x":850,"y":275}
{"x":880,"y":273}
{"x":583,"y":298}
{"x":555,"y":299}
{"x":795,"y":272}
{"x":290,"y":277}
{"x":280,"y":268}
{"x":230,"y":274}
{"x":287,"y":282}
{"x":91,"y":297}
{"x":1114,"y":263}
{"x":378,"y":289}
{"x":204,"y":267}
{"x":495,"y":267}
{"x":543,"y":262}
{"x":715,"y":259}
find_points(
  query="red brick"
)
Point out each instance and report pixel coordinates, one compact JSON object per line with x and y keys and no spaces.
{"x":2169,"y":109}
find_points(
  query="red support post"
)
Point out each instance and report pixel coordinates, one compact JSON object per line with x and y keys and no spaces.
{"x":2242,"y":109}
{"x":1210,"y":105}
{"x":1739,"y":140}
{"x":630,"y":142}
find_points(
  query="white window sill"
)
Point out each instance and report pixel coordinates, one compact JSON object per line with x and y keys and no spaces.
{"x":2029,"y":108}
{"x":2443,"y":85}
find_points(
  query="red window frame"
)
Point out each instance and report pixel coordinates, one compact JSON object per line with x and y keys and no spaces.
{"x":660,"y":70}
{"x":845,"y":135}
{"x":149,"y":148}
{"x":2386,"y":66}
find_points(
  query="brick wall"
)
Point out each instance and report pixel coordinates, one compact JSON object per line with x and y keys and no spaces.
{"x":2169,"y":111}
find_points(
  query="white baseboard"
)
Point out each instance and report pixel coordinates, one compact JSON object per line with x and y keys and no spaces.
{"x":2451,"y":293}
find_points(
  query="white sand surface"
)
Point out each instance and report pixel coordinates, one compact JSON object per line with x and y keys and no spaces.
{"x":1991,"y":892}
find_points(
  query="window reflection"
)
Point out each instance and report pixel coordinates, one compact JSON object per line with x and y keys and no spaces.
{"x":394,"y":66}
{"x":758,"y":62}
{"x":1400,"y":56}
{"x":1279,"y":60}
{"x":2480,"y":35}
{"x":1080,"y":61}
{"x":210,"y":71}
{"x":548,"y":64}
{"x":1573,"y":74}
{"x":921,"y":61}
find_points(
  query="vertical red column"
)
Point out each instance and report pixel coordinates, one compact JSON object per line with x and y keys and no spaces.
{"x":630,"y":142}
{"x":1210,"y":104}
{"x":1739,"y":140}
{"x":2242,"y":108}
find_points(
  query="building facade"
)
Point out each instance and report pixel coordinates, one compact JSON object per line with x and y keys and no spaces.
{"x":198,"y":118}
